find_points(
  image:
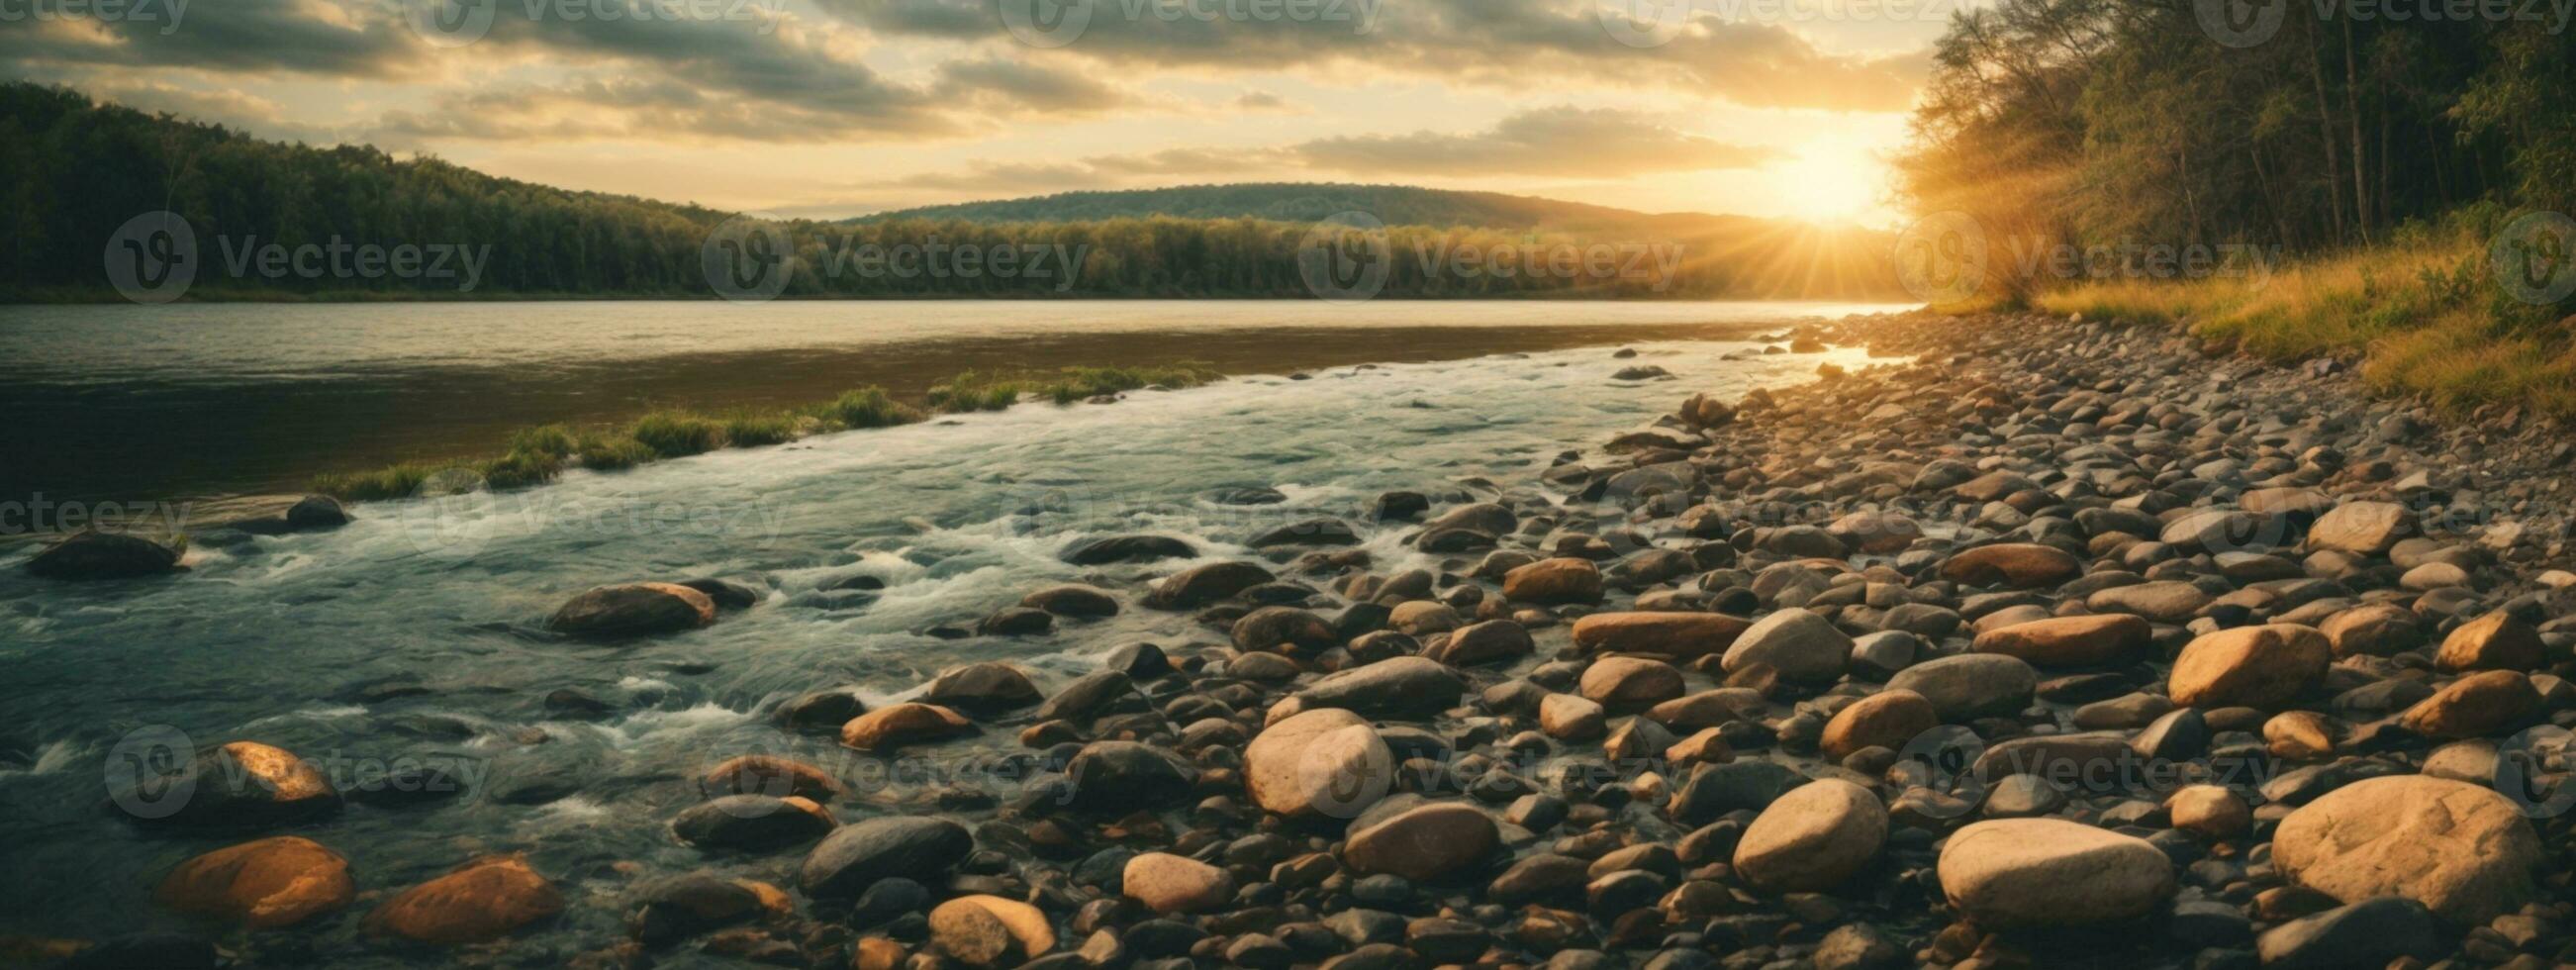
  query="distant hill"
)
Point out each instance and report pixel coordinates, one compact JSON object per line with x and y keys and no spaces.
{"x":263,"y":219}
{"x":1397,"y":205}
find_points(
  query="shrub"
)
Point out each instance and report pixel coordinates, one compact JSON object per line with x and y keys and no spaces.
{"x":677,"y":434}
{"x":751,"y":429}
{"x":613,"y":453}
{"x":869,"y":407}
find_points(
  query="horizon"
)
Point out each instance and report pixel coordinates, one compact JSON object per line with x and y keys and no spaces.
{"x":836,"y":109}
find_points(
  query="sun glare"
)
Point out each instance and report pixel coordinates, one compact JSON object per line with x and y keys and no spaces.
{"x":1834,"y":180}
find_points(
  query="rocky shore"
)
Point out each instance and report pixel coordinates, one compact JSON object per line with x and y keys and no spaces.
{"x":2055,"y":644}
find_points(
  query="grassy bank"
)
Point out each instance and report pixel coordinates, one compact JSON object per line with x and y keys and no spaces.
{"x":535,"y":456}
{"x":2424,"y":312}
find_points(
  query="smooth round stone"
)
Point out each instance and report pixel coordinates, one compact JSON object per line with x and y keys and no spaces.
{"x":2037,"y":872}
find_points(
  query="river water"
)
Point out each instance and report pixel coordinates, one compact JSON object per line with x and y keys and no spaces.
{"x":414,"y":633}
{"x":129,"y":403}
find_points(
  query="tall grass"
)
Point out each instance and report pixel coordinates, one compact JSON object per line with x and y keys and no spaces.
{"x":538,"y":455}
{"x":2422,"y":312}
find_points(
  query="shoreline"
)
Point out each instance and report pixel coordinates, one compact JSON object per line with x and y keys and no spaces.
{"x":2058,"y":641}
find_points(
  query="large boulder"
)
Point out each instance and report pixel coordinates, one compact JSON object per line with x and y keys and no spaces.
{"x":1681,"y":636}
{"x":2462,"y":850}
{"x":264,"y":884}
{"x":1560,"y":580}
{"x":2045,"y":872}
{"x":103,"y":555}
{"x":2070,"y":641}
{"x":484,"y":900}
{"x":2249,"y":666}
{"x":1421,"y":842}
{"x":858,"y":855}
{"x":1800,"y":646}
{"x":2019,"y":564}
{"x":1323,"y":763}
{"x":1812,"y":838}
{"x":1971,"y":686}
{"x":634,"y":609}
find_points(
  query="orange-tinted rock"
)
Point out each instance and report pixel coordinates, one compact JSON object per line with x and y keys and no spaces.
{"x":264,"y":884}
{"x":760,"y":774}
{"x":2252,"y":666}
{"x":634,"y":609}
{"x":1682,"y":636}
{"x":1560,"y":580}
{"x":2070,"y":641}
{"x":2480,"y":704}
{"x":2495,"y":641}
{"x":2022,"y":564}
{"x":888,"y":728}
{"x":484,"y":900}
{"x":1887,"y":719}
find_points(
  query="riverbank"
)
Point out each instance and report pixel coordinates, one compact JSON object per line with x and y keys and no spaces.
{"x":2053,"y":643}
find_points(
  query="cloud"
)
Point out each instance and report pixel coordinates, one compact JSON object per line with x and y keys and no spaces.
{"x":1501,"y":43}
{"x":1546,"y":143}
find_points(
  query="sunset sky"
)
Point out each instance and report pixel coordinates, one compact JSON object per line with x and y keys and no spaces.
{"x":843,"y":107}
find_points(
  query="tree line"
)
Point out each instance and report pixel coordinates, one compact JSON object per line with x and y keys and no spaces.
{"x":77,"y":171}
{"x":2311,"y":126}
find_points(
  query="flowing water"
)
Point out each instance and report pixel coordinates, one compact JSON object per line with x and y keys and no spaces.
{"x":414,"y":633}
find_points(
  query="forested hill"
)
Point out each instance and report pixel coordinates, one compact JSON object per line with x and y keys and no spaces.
{"x":1306,"y":202}
{"x":78,"y":175}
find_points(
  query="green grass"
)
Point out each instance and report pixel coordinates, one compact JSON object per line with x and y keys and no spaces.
{"x":535,"y":456}
{"x":673,"y":433}
{"x":2422,"y":312}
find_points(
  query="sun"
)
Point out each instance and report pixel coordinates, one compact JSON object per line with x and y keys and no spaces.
{"x":1836,"y":180}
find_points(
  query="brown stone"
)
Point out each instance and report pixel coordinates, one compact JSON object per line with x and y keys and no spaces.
{"x":1423,"y":842}
{"x":1327,"y":762}
{"x":2373,"y":630}
{"x":1559,"y":580}
{"x":2209,"y":811}
{"x":1168,"y":884}
{"x":2495,"y":641}
{"x":2020,"y":564}
{"x":1887,"y":719}
{"x":481,"y":901}
{"x":2252,"y":666}
{"x":990,"y":931}
{"x":1681,"y":636}
{"x":263,"y":884}
{"x":761,"y":774}
{"x":2070,"y":641}
{"x":2361,"y":528}
{"x":2479,"y":704}
{"x":888,"y":728}
{"x":2462,"y":850}
{"x":1626,"y":684}
{"x":2299,"y":736}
